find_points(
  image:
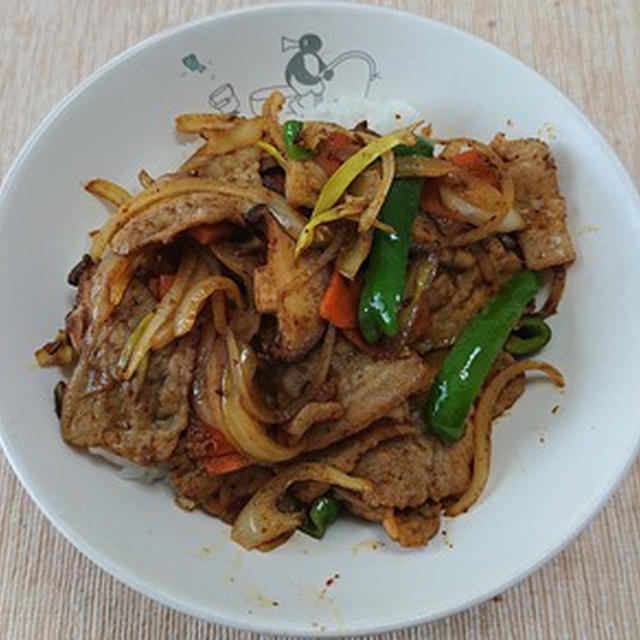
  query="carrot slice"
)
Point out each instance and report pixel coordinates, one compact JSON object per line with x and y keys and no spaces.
{"x":430,"y":203}
{"x":474,"y":162}
{"x":226,"y":463}
{"x":339,"y":305}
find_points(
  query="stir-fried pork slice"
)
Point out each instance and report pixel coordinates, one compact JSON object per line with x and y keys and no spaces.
{"x":140,"y":421}
{"x":413,"y":469}
{"x":234,"y":490}
{"x":458,"y":294}
{"x":303,"y":183}
{"x":344,"y":455}
{"x":546,"y":241}
{"x":295,"y":306}
{"x":162,"y":222}
{"x":367,"y":389}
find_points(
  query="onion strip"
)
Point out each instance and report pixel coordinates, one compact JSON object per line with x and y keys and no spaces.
{"x":260,"y":521}
{"x":145,"y":179}
{"x":370,"y":214}
{"x":482,"y":428}
{"x":273,"y":152}
{"x":352,"y":207}
{"x":337,"y":184}
{"x":167,"y":306}
{"x":107,"y":190}
{"x":244,"y":133}
{"x":354,"y":254}
{"x":421,"y":167}
{"x":305,"y":274}
{"x":194,"y":299}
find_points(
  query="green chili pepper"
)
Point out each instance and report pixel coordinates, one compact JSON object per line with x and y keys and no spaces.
{"x":530,"y":335}
{"x":466,"y":367}
{"x":290,"y":132}
{"x":385,"y":274}
{"x":322,"y":513}
{"x":422,"y":147}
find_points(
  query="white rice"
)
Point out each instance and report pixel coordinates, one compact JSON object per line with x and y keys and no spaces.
{"x":129,"y":470}
{"x":381,"y":116}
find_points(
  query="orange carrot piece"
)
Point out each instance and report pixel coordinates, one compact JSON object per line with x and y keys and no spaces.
{"x":474,"y":162}
{"x":226,"y":463}
{"x":339,"y":305}
{"x":430,"y":202}
{"x":220,"y":443}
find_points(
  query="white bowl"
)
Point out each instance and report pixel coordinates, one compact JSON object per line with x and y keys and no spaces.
{"x":551,"y":471}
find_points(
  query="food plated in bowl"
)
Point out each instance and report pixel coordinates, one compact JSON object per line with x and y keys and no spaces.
{"x":187,"y":559}
{"x":304,"y":316}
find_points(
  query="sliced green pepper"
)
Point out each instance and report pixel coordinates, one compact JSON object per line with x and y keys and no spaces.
{"x":466,"y":367}
{"x":322,"y":513}
{"x":385,"y":274}
{"x":290,"y":132}
{"x":422,"y":147}
{"x":530,"y":335}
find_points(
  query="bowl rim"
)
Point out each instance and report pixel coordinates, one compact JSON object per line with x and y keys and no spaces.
{"x":590,"y":509}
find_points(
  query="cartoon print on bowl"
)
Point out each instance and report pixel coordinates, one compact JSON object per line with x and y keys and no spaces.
{"x":307,"y":74}
{"x":193,"y":64}
{"x":223,"y":99}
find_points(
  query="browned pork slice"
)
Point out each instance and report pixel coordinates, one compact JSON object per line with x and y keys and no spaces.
{"x":296,"y":305}
{"x":546,"y":241}
{"x":367,"y":389}
{"x":344,"y":455}
{"x":410,"y":470}
{"x":220,"y":495}
{"x":459,"y":293}
{"x":139,"y":420}
{"x":162,"y":222}
{"x":411,"y":474}
{"x":304,"y":181}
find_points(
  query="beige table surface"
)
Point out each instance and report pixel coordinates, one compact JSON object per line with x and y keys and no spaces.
{"x":588,"y":48}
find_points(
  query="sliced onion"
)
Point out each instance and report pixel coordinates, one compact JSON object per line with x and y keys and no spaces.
{"x":421,"y":167}
{"x":370,"y":214}
{"x":167,"y":306}
{"x":260,"y":521}
{"x":421,"y":275}
{"x":145,"y":179}
{"x":337,"y":184}
{"x":351,"y":208}
{"x":240,"y":265}
{"x":482,"y":428}
{"x":301,"y":276}
{"x":199,"y":122}
{"x":244,"y":133}
{"x":273,"y":152}
{"x":200,"y":388}
{"x":107,"y":190}
{"x":246,"y":434}
{"x":194,"y":299}
{"x":242,"y":362}
{"x":513,"y":220}
{"x":354,"y":254}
